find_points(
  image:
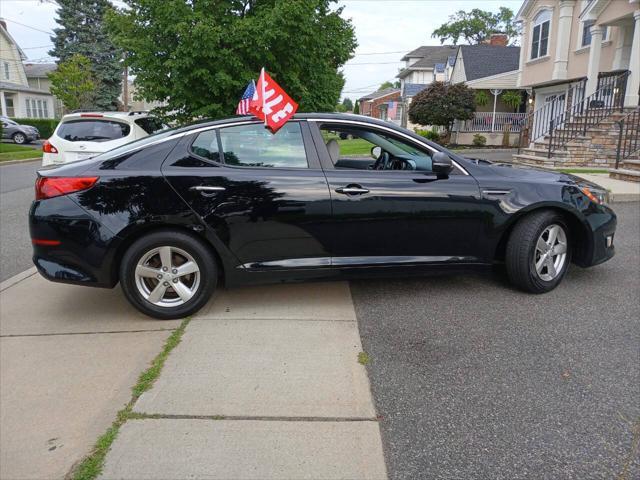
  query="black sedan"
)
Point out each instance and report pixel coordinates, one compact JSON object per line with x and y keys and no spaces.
{"x":329,"y":196}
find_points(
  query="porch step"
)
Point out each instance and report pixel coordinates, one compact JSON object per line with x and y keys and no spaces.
{"x":631,"y":164}
{"x":535,"y":160}
{"x":625,"y":174}
{"x":542,"y":152}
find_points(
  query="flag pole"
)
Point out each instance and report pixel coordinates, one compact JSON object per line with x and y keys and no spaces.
{"x":262,"y":95}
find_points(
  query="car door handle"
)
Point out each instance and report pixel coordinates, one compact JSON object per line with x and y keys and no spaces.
{"x":200,"y":188}
{"x":352,"y":190}
{"x":207,"y":191}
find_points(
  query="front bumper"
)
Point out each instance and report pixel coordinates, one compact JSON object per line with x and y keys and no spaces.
{"x":86,"y":249}
{"x":603,"y":225}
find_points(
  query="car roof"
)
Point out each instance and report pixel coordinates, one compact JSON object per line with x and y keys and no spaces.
{"x":298,"y":116}
{"x":96,"y":114}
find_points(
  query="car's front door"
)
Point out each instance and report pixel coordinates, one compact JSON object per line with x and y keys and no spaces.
{"x":383,"y":214}
{"x":265,"y":195}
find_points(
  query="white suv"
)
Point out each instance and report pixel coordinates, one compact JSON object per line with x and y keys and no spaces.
{"x":83,"y":135}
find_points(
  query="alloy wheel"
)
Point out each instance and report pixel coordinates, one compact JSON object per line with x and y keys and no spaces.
{"x":18,"y":138}
{"x":551,"y":252}
{"x":167,"y":276}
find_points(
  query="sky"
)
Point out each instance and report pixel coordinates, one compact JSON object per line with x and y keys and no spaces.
{"x":385,"y":30}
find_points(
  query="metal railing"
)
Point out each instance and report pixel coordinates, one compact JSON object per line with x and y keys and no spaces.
{"x":537,"y":123}
{"x":486,"y":122}
{"x":628,"y":136}
{"x":575,"y":121}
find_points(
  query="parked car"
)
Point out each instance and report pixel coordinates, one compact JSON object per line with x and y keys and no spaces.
{"x":173,"y":214}
{"x":87,"y":134}
{"x":20,"y":134}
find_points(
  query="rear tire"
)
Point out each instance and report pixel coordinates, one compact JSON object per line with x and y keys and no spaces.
{"x":168,"y":274}
{"x":539,"y":252}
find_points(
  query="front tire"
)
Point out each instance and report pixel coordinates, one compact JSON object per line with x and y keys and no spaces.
{"x":168,"y":274}
{"x":19,"y":138}
{"x":539,"y":252}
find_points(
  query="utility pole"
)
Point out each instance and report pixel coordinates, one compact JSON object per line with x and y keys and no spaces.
{"x":125,"y":84}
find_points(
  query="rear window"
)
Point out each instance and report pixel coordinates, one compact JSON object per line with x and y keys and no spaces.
{"x":150,"y":124}
{"x":93,"y":130}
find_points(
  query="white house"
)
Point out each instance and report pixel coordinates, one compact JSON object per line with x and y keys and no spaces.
{"x":17,"y":98}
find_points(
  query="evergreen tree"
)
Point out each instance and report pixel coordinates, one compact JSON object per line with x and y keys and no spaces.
{"x":348,"y":104}
{"x":82,"y":31}
{"x":356,"y":108}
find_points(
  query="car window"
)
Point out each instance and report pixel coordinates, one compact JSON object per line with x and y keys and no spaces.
{"x":255,"y":146}
{"x":93,"y":130}
{"x":150,"y":124}
{"x":354,"y":147}
{"x":206,"y":145}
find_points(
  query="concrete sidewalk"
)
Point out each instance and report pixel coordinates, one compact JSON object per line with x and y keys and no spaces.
{"x":264,"y":384}
{"x":68,"y":359}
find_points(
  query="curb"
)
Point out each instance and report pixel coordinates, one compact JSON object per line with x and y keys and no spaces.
{"x":24,"y":160}
{"x":10,"y":282}
{"x":624,"y":197}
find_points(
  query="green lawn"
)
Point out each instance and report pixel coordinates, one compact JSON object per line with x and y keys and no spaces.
{"x":583,"y":170}
{"x":356,"y":147}
{"x":11,"y":151}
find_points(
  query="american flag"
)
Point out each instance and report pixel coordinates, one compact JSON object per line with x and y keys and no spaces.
{"x":243,"y":104}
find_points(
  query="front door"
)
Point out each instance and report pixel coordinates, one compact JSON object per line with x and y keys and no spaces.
{"x":264,"y":195}
{"x":388,"y":206}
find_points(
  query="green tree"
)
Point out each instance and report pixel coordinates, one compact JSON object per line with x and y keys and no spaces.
{"x":341,"y":108}
{"x":441,"y":104}
{"x":73,"y":84}
{"x":198,"y":56}
{"x":477,"y":26}
{"x":82,"y":31}
{"x":389,"y":84}
{"x":356,"y":108}
{"x":348,"y":104}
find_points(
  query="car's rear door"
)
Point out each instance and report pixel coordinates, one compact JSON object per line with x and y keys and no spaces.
{"x":265,"y":195}
{"x":395,"y":216}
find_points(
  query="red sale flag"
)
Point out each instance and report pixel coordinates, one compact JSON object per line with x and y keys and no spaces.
{"x":271,"y":103}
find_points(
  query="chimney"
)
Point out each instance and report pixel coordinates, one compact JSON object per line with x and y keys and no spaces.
{"x":3,"y":23}
{"x":500,"y":39}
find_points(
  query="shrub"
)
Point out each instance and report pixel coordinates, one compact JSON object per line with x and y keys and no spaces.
{"x":442,"y":104}
{"x":429,"y":134}
{"x":479,"y":140}
{"x":45,"y":126}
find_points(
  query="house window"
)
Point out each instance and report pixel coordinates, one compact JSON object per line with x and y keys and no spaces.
{"x":9,"y":104}
{"x":586,"y":33}
{"x":40,"y":109}
{"x":45,"y":109}
{"x":28,"y":104}
{"x":6,"y":70}
{"x":540,"y":37}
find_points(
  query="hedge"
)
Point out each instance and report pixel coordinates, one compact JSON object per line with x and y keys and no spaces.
{"x":45,"y":126}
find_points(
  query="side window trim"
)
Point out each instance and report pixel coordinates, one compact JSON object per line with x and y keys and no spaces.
{"x":200,"y":157}
{"x":324,"y":154}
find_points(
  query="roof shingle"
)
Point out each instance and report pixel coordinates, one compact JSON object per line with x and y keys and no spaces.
{"x":486,"y":60}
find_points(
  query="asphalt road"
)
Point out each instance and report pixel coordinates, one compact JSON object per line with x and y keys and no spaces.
{"x":476,"y":380}
{"x":16,"y":194}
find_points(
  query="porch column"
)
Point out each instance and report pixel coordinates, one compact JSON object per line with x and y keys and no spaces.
{"x":594,"y":59}
{"x":633,"y":84}
{"x":3,"y":105}
{"x":563,"y":40}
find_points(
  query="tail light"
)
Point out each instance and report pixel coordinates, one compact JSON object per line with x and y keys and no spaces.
{"x":48,"y":148}
{"x":48,"y":187}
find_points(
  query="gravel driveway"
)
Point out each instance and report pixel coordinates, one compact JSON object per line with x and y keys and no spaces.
{"x":476,"y":380}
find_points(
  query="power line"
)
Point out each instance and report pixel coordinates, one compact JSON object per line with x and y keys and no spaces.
{"x":41,"y":46}
{"x":371,"y":63}
{"x":29,"y":26}
{"x":378,"y":53}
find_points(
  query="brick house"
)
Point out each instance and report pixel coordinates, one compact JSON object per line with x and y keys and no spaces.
{"x":383,"y":104}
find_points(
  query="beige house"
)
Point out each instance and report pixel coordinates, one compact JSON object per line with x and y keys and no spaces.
{"x":17,"y":98}
{"x":580,"y":61}
{"x":37,"y":76}
{"x":565,"y":42}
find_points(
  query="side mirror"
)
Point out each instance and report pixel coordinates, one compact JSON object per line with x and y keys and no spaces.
{"x":441,"y":164}
{"x":376,"y":152}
